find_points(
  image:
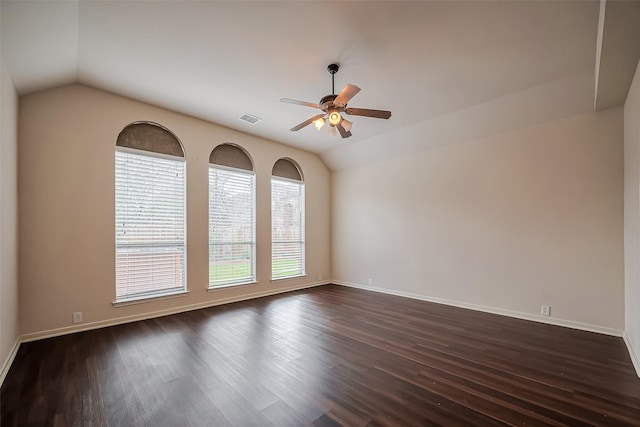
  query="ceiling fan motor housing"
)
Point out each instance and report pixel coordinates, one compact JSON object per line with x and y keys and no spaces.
{"x":327,"y":99}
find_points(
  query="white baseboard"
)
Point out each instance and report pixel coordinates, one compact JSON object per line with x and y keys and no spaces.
{"x":635,"y":358}
{"x":153,"y":314}
{"x":9,"y":360}
{"x":510,"y":313}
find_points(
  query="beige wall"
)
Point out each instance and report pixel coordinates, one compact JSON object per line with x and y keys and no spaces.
{"x":632,"y":219}
{"x":66,"y":186}
{"x":505,"y":223}
{"x":8,"y":220}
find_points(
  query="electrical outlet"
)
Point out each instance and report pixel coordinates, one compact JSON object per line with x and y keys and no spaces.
{"x":77,"y":317}
{"x":320,"y":276}
{"x":545,"y":310}
{"x":370,"y":282}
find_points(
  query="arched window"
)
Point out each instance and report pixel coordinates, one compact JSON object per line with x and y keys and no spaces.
{"x":287,"y":220}
{"x":232,"y":200}
{"x":150,"y":213}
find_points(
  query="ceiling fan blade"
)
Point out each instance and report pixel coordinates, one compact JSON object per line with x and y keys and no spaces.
{"x":343,"y":132}
{"x":347,"y":93}
{"x":378,"y":114}
{"x":303,"y":103}
{"x":307,"y":122}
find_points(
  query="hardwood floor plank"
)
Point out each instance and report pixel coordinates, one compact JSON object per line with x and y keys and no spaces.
{"x":281,"y":414}
{"x":93,"y":411}
{"x":325,"y":356}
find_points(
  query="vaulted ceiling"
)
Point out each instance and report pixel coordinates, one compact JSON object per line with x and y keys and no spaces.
{"x":448,"y":71}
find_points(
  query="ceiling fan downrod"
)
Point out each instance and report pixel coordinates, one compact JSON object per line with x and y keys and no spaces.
{"x":333,"y":69}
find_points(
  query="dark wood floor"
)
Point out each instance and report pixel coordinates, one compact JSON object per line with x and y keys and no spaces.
{"x":325,"y":356}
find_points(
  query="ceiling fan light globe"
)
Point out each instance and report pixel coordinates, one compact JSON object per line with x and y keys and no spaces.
{"x":335,"y":118}
{"x":319,"y":123}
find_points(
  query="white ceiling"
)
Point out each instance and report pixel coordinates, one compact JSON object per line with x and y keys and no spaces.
{"x":431,"y":63}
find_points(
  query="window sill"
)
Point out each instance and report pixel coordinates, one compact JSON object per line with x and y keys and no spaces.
{"x":231,"y":285}
{"x":277,"y":279}
{"x":142,"y":300}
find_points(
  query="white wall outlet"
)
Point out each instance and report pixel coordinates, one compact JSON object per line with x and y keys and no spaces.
{"x":370,"y":282}
{"x":77,"y":317}
{"x":545,"y":310}
{"x":320,"y":276}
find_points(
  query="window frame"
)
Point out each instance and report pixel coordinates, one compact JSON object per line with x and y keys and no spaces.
{"x":133,"y":297}
{"x":251,"y":279}
{"x":301,"y":272}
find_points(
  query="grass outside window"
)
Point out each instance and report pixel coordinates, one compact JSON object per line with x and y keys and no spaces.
{"x":224,"y":272}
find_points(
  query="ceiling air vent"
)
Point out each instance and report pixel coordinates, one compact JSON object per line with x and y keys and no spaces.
{"x":250,"y":119}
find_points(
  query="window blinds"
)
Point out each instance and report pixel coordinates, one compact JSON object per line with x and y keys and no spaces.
{"x":231,"y":226}
{"x":287,"y":228}
{"x":150,"y":224}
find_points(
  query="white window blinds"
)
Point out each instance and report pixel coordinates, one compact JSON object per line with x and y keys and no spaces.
{"x":231,"y":226}
{"x":287,"y":228}
{"x":150,"y":224}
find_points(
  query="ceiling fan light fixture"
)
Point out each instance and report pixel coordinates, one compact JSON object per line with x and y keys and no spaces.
{"x":319,"y":123}
{"x":334,"y":118}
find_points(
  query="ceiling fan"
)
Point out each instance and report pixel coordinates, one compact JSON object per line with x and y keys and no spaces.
{"x":333,"y":105}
